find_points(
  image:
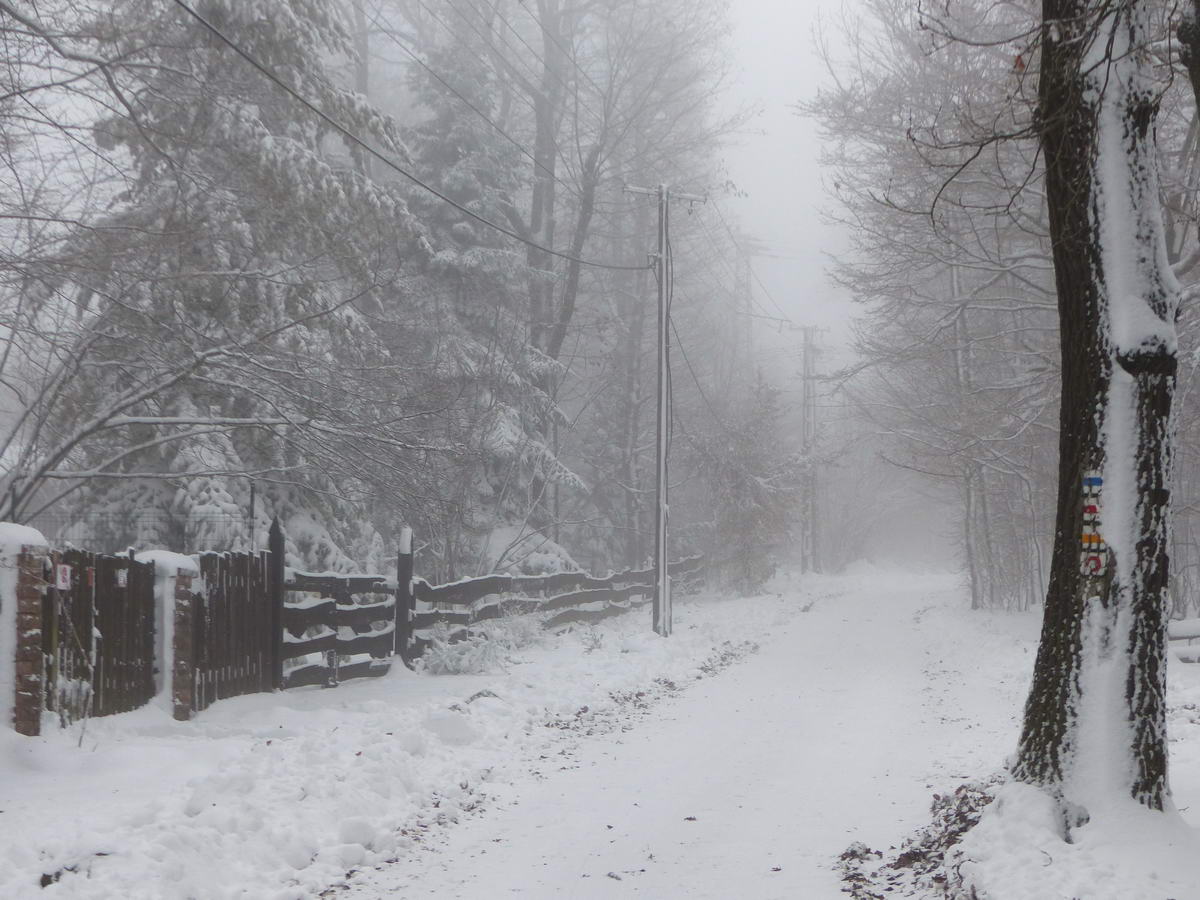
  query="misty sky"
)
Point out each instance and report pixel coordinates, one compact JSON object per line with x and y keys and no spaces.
{"x":778,"y":167}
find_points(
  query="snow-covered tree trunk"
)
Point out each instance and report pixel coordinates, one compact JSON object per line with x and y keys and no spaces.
{"x":1094,"y":722}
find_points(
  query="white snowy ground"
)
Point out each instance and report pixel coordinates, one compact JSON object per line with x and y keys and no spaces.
{"x":869,"y":693}
{"x":748,"y":785}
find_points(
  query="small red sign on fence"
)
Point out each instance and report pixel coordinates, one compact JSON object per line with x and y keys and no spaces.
{"x":62,"y":577}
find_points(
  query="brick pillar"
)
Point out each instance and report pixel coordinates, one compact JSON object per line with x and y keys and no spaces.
{"x":183,"y":680}
{"x":27,"y":705}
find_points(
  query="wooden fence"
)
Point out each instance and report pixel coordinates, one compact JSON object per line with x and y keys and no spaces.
{"x":572,"y":597}
{"x":331,"y":628}
{"x":86,"y":643}
{"x":233,"y":628}
{"x":1181,"y":633}
{"x":347,"y":622}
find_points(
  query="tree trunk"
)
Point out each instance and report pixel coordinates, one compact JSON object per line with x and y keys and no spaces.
{"x":973,"y":572}
{"x":1094,"y":721}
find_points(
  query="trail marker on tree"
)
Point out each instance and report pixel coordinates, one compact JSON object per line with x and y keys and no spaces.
{"x":1094,"y":553}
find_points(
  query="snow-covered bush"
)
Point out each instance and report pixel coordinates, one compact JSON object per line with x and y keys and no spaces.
{"x":473,"y":655}
{"x":485,"y":649}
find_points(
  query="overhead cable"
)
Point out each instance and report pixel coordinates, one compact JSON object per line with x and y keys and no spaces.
{"x":383,"y":158}
{"x":389,"y":32}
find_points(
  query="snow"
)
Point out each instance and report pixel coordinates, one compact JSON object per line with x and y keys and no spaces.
{"x":1125,"y":851}
{"x":520,"y":549}
{"x":722,"y":772}
{"x":1129,"y":853}
{"x":1184,"y":629}
{"x":14,"y":536}
{"x":167,"y":566}
{"x":277,"y":795}
{"x":1127,"y":210}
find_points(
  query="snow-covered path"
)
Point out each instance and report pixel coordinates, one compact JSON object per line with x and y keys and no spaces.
{"x":575,"y":769}
{"x":750,"y":783}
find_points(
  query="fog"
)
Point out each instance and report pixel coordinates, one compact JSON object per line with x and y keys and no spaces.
{"x":597,"y":448}
{"x":777,"y":162}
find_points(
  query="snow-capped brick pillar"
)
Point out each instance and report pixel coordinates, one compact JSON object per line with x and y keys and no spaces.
{"x":27,"y":655}
{"x":183,"y":681}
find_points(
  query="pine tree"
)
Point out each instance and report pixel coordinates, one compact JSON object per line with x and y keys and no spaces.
{"x":755,"y":486}
{"x":474,"y":286}
{"x":231,"y":305}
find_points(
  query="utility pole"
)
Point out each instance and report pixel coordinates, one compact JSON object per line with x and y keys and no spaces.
{"x":742,"y":369}
{"x":809,"y":556}
{"x":662,"y":269}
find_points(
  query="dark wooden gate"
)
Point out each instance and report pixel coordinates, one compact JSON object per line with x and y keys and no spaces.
{"x":234,"y":628}
{"x":97,"y":634}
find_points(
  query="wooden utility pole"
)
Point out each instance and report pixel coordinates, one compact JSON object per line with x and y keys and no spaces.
{"x":662,"y":269}
{"x":809,"y":554}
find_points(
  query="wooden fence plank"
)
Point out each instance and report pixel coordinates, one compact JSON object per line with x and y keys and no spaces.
{"x":573,"y":616}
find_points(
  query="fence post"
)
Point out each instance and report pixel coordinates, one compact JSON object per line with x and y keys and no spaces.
{"x":341,"y":594}
{"x":275,"y":578}
{"x":27,"y":685}
{"x":404,"y":597}
{"x":183,"y":667}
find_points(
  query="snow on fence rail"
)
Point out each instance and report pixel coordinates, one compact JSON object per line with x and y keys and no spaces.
{"x":229,"y":624}
{"x":1185,"y":630}
{"x":337,"y":618}
{"x":573,"y":597}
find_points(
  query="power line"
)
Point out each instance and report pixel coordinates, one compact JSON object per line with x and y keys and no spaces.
{"x":719,"y":255}
{"x":483,"y":37}
{"x":455,"y":35}
{"x":695,"y":379}
{"x":386,"y":160}
{"x":753,"y":274}
{"x":682,"y":349}
{"x":533,"y":71}
{"x":518,"y":95}
{"x":563,"y":50}
{"x":389,"y":32}
{"x":496,"y":10}
{"x":732,"y":274}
